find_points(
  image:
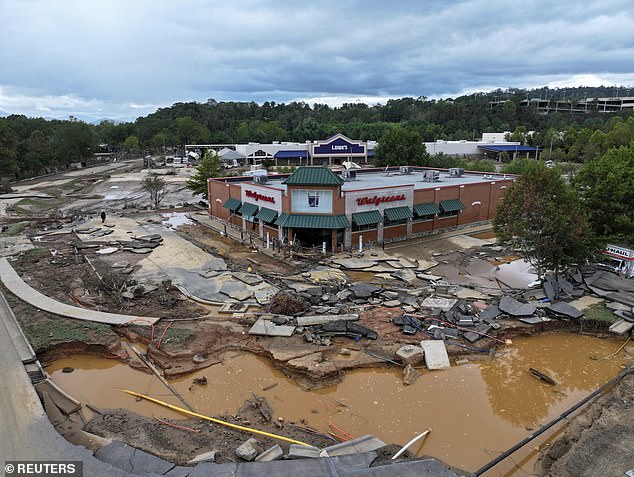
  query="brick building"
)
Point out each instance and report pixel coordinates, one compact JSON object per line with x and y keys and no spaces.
{"x":316,"y":205}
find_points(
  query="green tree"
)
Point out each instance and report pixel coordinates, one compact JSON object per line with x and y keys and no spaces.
{"x":8,"y":150}
{"x":155,"y":186}
{"x":606,"y":186}
{"x":131,"y":145}
{"x":209,"y":167}
{"x":400,"y":147}
{"x":541,"y":215}
{"x":38,"y":153}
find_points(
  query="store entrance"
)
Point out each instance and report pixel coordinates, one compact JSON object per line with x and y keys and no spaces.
{"x":313,"y":238}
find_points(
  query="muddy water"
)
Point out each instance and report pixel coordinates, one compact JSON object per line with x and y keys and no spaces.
{"x":476,"y":411}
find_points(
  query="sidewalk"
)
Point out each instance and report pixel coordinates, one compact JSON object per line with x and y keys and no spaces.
{"x":19,"y":288}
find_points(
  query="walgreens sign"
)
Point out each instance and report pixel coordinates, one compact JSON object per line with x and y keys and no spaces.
{"x":257,"y":196}
{"x":376,"y":200}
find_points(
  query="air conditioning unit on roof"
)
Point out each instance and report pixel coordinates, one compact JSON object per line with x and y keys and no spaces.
{"x":260,"y":179}
{"x":349,"y":174}
{"x":405,"y":170}
{"x":456,"y":171}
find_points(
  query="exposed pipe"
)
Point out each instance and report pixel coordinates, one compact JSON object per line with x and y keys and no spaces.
{"x":214,"y":420}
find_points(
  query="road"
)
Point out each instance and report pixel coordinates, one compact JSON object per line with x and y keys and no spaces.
{"x":27,"y":434}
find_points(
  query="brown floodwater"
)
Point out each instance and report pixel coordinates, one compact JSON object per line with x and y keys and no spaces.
{"x":476,"y":410}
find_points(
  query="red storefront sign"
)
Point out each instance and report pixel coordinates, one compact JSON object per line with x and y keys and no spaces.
{"x":257,"y":196}
{"x":376,"y":200}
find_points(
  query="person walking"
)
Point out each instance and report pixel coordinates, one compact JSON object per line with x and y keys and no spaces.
{"x":103,"y":216}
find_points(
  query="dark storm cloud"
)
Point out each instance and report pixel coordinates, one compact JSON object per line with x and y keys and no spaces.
{"x":123,"y":59}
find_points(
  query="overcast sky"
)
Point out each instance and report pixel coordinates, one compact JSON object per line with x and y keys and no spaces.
{"x":122,"y":59}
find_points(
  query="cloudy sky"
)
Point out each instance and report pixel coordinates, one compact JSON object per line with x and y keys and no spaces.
{"x":122,"y":59}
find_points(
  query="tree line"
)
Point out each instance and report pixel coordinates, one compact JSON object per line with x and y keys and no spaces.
{"x":33,"y":146}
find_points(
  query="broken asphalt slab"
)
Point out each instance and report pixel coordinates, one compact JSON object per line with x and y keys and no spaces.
{"x":513,"y":307}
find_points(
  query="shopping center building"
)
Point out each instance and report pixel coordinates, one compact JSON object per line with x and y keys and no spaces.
{"x":318,"y":206}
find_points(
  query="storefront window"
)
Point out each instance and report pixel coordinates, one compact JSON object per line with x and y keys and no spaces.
{"x":359,"y":228}
{"x":452,"y":213}
{"x":389,"y":223}
{"x":423,"y":218}
{"x":311,"y":201}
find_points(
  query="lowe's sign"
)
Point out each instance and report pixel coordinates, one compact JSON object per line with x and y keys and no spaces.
{"x":339,"y":146}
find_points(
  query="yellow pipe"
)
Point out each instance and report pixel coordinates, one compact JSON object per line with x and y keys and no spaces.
{"x":217,"y":421}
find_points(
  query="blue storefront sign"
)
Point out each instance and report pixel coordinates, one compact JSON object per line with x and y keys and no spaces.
{"x":339,"y":146}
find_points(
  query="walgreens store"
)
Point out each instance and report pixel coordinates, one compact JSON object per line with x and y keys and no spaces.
{"x":316,"y":205}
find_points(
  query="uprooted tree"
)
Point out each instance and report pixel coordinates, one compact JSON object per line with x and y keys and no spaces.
{"x":155,"y":186}
{"x":541,"y":216}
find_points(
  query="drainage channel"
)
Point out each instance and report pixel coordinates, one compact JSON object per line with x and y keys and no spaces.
{"x":476,"y":410}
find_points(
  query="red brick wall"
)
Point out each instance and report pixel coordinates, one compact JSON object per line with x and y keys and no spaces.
{"x":394,"y":231}
{"x":475,"y":198}
{"x":368,"y":235}
{"x":219,"y":193}
{"x":419,"y":227}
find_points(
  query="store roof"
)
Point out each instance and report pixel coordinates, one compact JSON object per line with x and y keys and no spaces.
{"x":314,"y":175}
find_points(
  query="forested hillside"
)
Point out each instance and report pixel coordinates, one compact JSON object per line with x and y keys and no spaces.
{"x":32,"y":146}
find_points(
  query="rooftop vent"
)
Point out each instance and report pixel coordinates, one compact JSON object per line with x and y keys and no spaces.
{"x":405,"y":170}
{"x":456,"y":172}
{"x":349,"y":174}
{"x":260,"y":179}
{"x":431,"y":176}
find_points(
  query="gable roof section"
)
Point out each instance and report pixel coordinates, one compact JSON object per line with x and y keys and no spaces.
{"x":315,"y":176}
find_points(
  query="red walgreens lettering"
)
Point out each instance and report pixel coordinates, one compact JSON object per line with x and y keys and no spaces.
{"x":257,"y":196}
{"x":376,"y":200}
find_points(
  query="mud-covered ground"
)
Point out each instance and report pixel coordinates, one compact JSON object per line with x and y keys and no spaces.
{"x":599,"y":441}
{"x":85,"y":279}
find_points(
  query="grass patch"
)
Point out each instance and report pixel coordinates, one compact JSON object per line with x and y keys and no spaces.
{"x":177,"y":336}
{"x":43,"y":332}
{"x":37,"y":252}
{"x":17,"y":228}
{"x":599,"y":313}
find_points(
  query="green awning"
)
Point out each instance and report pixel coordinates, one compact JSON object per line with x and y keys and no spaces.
{"x":398,"y":213}
{"x":266,"y":215}
{"x":311,"y":221}
{"x":248,"y":210}
{"x":370,"y":217}
{"x":281,"y":219}
{"x":232,"y":204}
{"x":452,"y":205}
{"x":429,"y":208}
